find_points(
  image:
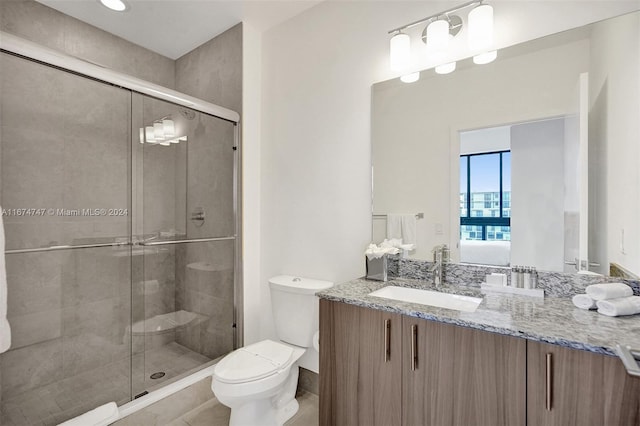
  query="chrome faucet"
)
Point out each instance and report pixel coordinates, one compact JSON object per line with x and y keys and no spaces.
{"x":440,"y":256}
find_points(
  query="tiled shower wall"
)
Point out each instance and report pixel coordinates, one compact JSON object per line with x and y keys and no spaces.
{"x":212,"y":72}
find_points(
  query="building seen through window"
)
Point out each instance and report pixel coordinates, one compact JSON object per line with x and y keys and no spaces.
{"x":485,"y":196}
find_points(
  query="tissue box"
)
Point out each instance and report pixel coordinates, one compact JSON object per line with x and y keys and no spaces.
{"x":377,"y":268}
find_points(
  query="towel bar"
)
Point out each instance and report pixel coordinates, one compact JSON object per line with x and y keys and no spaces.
{"x":384,"y":216}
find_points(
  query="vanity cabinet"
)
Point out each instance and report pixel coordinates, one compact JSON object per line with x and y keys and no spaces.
{"x":572,"y":387}
{"x":379,"y":368}
{"x":361,"y":364}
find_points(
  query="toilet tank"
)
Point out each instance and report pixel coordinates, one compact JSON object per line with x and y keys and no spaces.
{"x":295,"y":308}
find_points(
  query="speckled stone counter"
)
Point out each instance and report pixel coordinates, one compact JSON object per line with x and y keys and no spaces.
{"x":550,"y":320}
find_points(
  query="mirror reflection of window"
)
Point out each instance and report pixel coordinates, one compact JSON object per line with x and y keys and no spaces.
{"x":485,"y":196}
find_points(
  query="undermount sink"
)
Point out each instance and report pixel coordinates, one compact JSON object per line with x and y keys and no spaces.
{"x":428,"y":297}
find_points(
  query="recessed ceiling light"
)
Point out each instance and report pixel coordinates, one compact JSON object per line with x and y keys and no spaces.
{"x":117,"y":5}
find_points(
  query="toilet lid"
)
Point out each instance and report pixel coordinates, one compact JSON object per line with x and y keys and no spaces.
{"x":253,"y":362}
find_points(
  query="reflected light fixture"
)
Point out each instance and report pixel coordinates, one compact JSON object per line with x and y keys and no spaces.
{"x":446,"y":68}
{"x":400,"y":52}
{"x":117,"y":5}
{"x":410,"y":78}
{"x":162,"y":132}
{"x":440,"y":29}
{"x":485,"y":58}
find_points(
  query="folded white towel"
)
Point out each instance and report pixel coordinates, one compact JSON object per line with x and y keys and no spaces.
{"x":5,"y":329}
{"x":101,"y":416}
{"x":609,"y":291}
{"x":394,"y":226}
{"x":619,"y":307}
{"x":408,"y":223}
{"x":402,"y":227}
{"x":583,"y":301}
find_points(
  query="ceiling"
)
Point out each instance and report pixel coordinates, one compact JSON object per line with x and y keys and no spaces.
{"x":175,"y":27}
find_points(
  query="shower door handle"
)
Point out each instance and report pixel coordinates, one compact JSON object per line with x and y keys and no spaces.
{"x":66,"y":247}
{"x":192,"y":240}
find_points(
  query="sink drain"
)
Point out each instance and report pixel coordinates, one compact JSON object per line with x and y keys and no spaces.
{"x":157,"y":375}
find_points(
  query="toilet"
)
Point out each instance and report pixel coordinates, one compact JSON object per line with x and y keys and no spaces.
{"x":258,"y":382}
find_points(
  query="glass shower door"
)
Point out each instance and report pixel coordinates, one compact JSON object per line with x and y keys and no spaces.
{"x":64,"y":176}
{"x":184,"y":241}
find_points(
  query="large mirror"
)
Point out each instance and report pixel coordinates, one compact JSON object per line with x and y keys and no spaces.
{"x":531,"y":160}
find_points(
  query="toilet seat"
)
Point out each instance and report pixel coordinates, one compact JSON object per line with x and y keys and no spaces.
{"x":253,"y":362}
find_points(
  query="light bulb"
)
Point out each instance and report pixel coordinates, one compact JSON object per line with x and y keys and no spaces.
{"x":446,"y":68}
{"x":485,"y":58}
{"x":410,"y":78}
{"x":438,"y":38}
{"x":481,"y":27}
{"x":399,"y":52}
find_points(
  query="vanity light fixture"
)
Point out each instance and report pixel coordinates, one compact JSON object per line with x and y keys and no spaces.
{"x":117,"y":5}
{"x":440,"y":29}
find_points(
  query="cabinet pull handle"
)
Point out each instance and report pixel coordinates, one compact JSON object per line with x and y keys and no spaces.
{"x":414,"y":346}
{"x":549,"y":381}
{"x":387,"y":340}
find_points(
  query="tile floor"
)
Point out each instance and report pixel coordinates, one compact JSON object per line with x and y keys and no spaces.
{"x":196,"y":406}
{"x":212,"y":413}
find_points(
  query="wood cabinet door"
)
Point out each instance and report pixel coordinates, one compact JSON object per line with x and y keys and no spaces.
{"x":360,"y":366}
{"x":462,"y":376}
{"x":490,"y":381}
{"x":427,"y":376}
{"x":573,"y":387}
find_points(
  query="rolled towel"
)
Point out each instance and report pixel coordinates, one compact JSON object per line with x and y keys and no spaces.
{"x":619,"y":307}
{"x":609,"y":291}
{"x":583,"y":301}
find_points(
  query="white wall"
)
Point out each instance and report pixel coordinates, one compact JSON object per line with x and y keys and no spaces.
{"x":315,"y":172}
{"x":251,"y":188}
{"x":615,"y":130}
{"x":485,"y":140}
{"x":537,"y":194}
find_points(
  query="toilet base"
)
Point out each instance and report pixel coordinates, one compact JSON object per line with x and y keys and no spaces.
{"x":288,"y":411}
{"x":270,"y":411}
{"x":262,"y":413}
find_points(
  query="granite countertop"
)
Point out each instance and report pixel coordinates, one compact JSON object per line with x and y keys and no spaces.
{"x":550,"y":320}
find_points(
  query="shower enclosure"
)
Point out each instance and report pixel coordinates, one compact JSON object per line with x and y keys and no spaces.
{"x":120,"y":221}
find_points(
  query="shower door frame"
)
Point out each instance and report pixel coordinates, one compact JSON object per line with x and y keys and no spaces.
{"x":25,"y":49}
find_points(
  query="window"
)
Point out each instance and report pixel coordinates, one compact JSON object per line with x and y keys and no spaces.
{"x":485,"y":196}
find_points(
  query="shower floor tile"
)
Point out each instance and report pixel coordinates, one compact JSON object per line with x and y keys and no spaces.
{"x":59,"y":401}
